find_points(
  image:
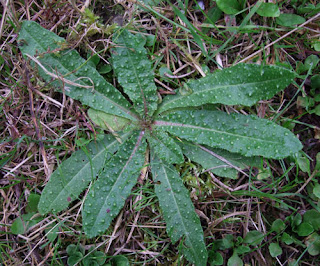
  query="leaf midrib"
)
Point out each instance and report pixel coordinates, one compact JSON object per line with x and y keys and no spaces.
{"x":88,"y":164}
{"x":125,"y":110}
{"x":165,"y":123}
{"x":118,"y":178}
{"x":177,"y":98}
{"x":186,"y":234}
{"x":135,"y":73}
{"x":156,"y":138}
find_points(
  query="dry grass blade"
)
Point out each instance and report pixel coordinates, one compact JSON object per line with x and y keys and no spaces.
{"x":223,"y":160}
{"x":64,"y":80}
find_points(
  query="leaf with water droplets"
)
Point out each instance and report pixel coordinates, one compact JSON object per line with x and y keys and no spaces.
{"x":165,"y":147}
{"x":109,"y":122}
{"x":182,"y":222}
{"x":108,"y":194}
{"x":219,"y":161}
{"x":80,"y":80}
{"x":247,"y":135}
{"x":134,"y":71}
{"x":243,"y":84}
{"x":74,"y":174}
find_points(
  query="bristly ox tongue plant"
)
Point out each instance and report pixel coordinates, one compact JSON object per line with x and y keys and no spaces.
{"x":181,"y":124}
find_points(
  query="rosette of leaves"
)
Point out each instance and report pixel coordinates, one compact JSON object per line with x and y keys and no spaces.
{"x":147,"y":132}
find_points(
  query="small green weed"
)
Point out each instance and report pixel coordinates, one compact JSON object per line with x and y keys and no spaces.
{"x":77,"y":255}
{"x":150,"y":132}
{"x":240,"y":246}
{"x":30,"y":218}
{"x":293,"y":229}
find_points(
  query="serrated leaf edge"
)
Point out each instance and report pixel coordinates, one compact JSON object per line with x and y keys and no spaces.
{"x":186,"y":232}
{"x":141,"y":134}
{"x":88,"y":164}
{"x":170,"y":100}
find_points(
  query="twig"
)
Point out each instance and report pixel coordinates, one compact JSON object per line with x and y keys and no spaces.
{"x":221,"y":219}
{"x":20,"y":164}
{"x":179,"y":77}
{"x":222,"y":159}
{"x":59,"y":77}
{"x":307,"y":182}
{"x":220,"y":183}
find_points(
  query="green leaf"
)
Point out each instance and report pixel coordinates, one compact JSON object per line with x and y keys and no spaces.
{"x":315,"y":81}
{"x":313,"y":244}
{"x":93,"y":60}
{"x":120,"y":260}
{"x":213,"y":15}
{"x":305,"y":229}
{"x":317,"y":167}
{"x":234,"y":260}
{"x":71,"y":249}
{"x":316,"y":190}
{"x":104,"y":69}
{"x":30,"y":219}
{"x":221,"y":162}
{"x":305,"y":9}
{"x":98,"y":93}
{"x":239,"y":241}
{"x":229,"y":7}
{"x":150,"y":39}
{"x":296,"y":220}
{"x":242,"y":249}
{"x":286,"y":238}
{"x":23,"y":223}
{"x":316,"y":46}
{"x":305,"y":102}
{"x":108,"y":121}
{"x":88,"y":261}
{"x":278,"y":226}
{"x":317,"y":110}
{"x":268,"y":10}
{"x":164,"y":70}
{"x":74,"y":174}
{"x":275,"y":250}
{"x":52,"y":232}
{"x":227,"y":242}
{"x":97,"y":257}
{"x":253,"y":238}
{"x":134,"y":71}
{"x":17,"y":227}
{"x":243,"y":84}
{"x":108,"y":194}
{"x":289,"y":20}
{"x":165,"y":147}
{"x":178,"y":212}
{"x":264,"y":173}
{"x":312,"y":217}
{"x":215,"y":258}
{"x":75,"y":258}
{"x":247,"y":135}
{"x":311,"y":62}
{"x":33,"y":201}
